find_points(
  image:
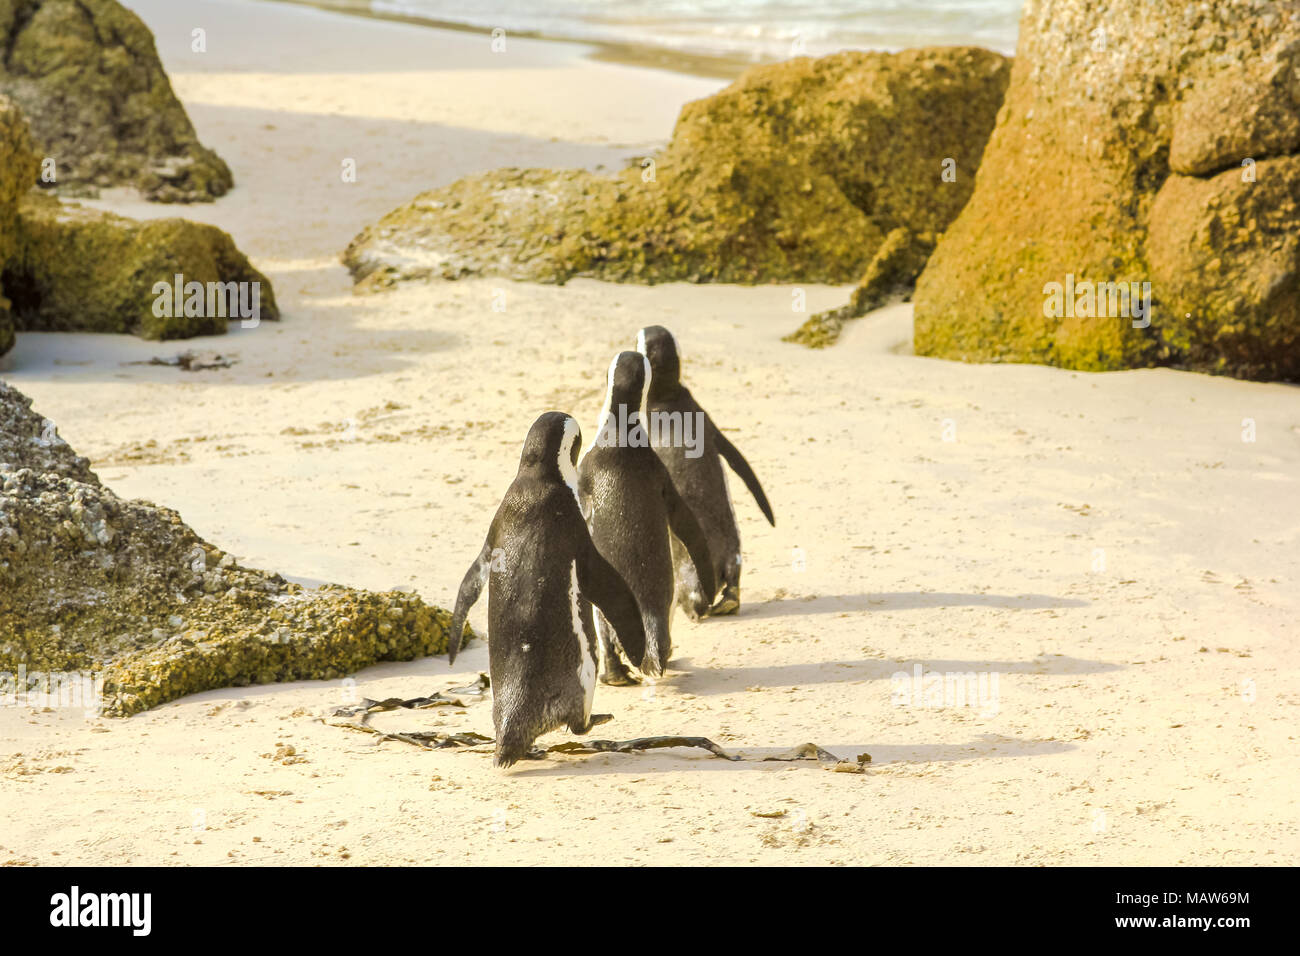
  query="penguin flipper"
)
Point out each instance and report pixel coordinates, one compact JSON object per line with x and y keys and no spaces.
{"x":683,"y":523}
{"x":471,"y":586}
{"x":605,"y":588}
{"x":741,"y":467}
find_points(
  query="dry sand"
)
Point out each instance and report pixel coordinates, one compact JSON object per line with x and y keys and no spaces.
{"x":1107,"y":545}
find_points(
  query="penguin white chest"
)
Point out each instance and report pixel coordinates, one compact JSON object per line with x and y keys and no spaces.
{"x":586,"y":659}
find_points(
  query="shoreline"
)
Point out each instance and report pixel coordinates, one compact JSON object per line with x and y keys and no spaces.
{"x":710,"y":66}
{"x":721,"y":66}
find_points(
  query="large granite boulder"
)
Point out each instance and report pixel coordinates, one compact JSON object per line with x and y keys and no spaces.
{"x":1140,"y":142}
{"x":127,"y":591}
{"x":798,"y":171}
{"x":87,"y":75}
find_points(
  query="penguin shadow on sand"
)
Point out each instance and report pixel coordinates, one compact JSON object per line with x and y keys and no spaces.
{"x":720,"y":680}
{"x":782,"y":604}
{"x":707,"y":681}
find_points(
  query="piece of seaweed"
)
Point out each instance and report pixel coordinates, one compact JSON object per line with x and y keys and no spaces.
{"x":431,"y":740}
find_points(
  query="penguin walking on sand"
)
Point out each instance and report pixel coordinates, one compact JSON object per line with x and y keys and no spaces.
{"x":693,"y":448}
{"x":630,"y":503}
{"x":543,"y":575}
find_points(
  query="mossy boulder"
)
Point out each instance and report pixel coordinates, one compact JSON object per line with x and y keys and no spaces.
{"x":67,"y":267}
{"x":127,"y":591}
{"x":17,"y":169}
{"x":1226,"y":259}
{"x":87,"y":74}
{"x":80,"y":269}
{"x":798,"y":171}
{"x":508,"y":222}
{"x":890,"y":277}
{"x":1140,"y":142}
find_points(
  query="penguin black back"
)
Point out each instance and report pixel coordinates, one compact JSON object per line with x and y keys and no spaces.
{"x":543,"y":573}
{"x":630,"y":503}
{"x":698,"y":476}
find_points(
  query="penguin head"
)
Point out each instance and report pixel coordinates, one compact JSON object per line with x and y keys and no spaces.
{"x":551,"y":448}
{"x":629,"y":374}
{"x":658,"y":345}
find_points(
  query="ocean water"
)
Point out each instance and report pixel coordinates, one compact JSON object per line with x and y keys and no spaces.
{"x":758,"y":30}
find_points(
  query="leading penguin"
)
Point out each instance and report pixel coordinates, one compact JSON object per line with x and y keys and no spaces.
{"x":697,"y":474}
{"x":630,"y":503}
{"x":544,"y":575}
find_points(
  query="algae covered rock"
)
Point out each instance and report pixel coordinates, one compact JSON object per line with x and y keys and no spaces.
{"x":67,"y":267}
{"x":890,"y":277}
{"x":87,"y":74}
{"x":1227,"y":261}
{"x":80,"y":269}
{"x":127,"y":591}
{"x":1144,"y":145}
{"x":28,"y":441}
{"x":508,"y":222}
{"x":17,"y":170}
{"x":798,"y":171}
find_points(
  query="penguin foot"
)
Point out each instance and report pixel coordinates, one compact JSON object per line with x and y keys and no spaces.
{"x":729,"y":603}
{"x":623,"y":679}
{"x":593,"y":721}
{"x":614,"y":671}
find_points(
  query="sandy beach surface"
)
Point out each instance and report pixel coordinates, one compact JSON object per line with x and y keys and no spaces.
{"x":1107,"y":555}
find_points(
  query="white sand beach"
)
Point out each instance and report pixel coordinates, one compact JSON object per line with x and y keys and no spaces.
{"x":1105,"y":550}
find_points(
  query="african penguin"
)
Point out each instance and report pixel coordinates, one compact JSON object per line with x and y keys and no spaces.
{"x":543,"y":574}
{"x":628,"y":499}
{"x":698,"y":476}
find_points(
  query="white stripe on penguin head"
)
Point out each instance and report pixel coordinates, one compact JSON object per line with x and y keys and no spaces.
{"x":605,"y":410}
{"x":645,"y":392}
{"x":564,"y":460}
